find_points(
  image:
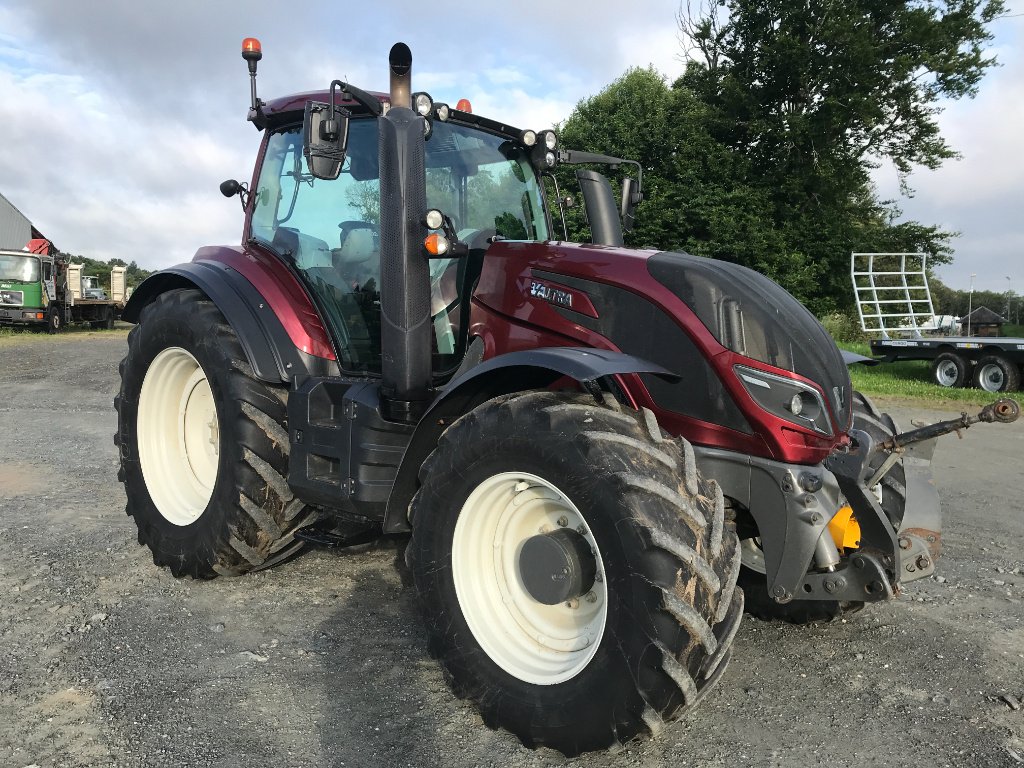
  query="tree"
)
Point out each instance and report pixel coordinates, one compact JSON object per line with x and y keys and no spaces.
{"x":814,"y":93}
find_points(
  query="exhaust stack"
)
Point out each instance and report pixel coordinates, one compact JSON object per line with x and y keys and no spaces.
{"x":405,"y":290}
{"x":400,"y":62}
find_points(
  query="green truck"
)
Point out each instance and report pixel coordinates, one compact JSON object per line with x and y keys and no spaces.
{"x":38,"y":288}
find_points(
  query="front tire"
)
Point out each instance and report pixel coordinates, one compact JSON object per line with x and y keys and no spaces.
{"x":204,"y":453}
{"x":54,"y":321}
{"x":642,"y":639}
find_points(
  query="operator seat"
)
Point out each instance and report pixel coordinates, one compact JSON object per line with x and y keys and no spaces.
{"x":358,"y":258}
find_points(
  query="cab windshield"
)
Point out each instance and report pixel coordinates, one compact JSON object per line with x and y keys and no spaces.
{"x":483,"y":181}
{"x":23,"y":269}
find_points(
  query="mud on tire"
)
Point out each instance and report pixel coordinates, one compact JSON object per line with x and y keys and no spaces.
{"x":227,"y":508}
{"x":667,"y":563}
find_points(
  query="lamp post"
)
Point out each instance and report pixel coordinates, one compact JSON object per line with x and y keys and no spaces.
{"x":1008,"y":294}
{"x":970,"y":302}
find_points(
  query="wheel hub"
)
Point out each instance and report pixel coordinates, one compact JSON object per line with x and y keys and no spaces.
{"x":947,"y":374}
{"x":557,"y":567}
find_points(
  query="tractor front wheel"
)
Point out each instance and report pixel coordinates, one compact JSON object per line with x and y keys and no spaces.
{"x":203,"y":447}
{"x":576,"y":574}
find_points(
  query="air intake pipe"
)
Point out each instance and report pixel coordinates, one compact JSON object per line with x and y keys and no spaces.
{"x":405,"y":289}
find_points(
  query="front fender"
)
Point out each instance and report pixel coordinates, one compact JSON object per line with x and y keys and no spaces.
{"x":270,"y":351}
{"x":502,"y":375}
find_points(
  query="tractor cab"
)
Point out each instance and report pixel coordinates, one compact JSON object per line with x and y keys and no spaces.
{"x":478,"y":173}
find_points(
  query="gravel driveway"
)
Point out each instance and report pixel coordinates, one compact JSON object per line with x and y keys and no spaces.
{"x":107,"y":661}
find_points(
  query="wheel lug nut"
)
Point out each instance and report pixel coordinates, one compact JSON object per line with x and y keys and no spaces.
{"x":574,"y":603}
{"x":591,"y":597}
{"x":581,"y":530}
{"x":563,"y":521}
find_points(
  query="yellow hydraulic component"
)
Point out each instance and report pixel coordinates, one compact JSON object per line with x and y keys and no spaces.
{"x":845,"y":529}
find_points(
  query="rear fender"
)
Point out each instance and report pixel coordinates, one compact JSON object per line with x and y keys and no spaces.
{"x":271,"y":353}
{"x":502,"y":375}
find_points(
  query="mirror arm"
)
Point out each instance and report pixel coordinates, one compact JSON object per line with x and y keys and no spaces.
{"x":360,"y":96}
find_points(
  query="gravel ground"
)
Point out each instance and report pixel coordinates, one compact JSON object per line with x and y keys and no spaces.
{"x":106,"y":660}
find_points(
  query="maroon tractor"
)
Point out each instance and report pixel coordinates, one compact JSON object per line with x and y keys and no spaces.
{"x":402,"y":345}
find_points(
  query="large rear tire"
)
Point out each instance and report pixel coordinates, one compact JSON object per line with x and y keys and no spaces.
{"x":204,"y":453}
{"x":893,"y":493}
{"x":642,"y":639}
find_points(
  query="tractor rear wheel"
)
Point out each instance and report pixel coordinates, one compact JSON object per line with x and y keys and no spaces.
{"x":203,"y":447}
{"x":893,"y":494}
{"x":576,"y":574}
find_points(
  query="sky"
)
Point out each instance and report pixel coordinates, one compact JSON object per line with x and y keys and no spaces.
{"x":120,"y":118}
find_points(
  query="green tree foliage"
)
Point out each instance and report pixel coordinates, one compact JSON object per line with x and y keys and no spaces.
{"x":761,"y":152}
{"x":948,"y":301}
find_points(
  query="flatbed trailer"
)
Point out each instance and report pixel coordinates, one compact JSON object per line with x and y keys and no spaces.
{"x":894,"y":302}
{"x":991,"y":363}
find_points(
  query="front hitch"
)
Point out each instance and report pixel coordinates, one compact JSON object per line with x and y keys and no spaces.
{"x":919,"y":532}
{"x":1003,"y":411}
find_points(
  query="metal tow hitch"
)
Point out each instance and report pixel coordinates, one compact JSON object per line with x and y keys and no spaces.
{"x":1003,"y":411}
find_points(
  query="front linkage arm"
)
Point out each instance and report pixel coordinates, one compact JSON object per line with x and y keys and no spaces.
{"x":1003,"y":411}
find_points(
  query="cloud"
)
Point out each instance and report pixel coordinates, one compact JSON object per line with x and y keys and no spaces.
{"x":120,"y":118}
{"x":979,"y":195}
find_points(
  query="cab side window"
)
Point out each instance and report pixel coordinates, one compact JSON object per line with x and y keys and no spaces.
{"x":329,"y":229}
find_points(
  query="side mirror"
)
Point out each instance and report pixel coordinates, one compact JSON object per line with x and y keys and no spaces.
{"x":230,"y":188}
{"x":631,"y":197}
{"x":324,"y":139}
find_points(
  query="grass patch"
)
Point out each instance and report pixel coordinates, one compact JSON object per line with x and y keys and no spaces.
{"x":911,"y":379}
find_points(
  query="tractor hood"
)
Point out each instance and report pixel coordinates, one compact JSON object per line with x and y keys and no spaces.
{"x":754,"y":316}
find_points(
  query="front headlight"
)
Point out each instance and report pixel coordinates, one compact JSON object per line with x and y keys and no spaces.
{"x":790,"y":400}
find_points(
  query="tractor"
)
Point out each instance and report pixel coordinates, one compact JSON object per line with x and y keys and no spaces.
{"x":597,"y":453}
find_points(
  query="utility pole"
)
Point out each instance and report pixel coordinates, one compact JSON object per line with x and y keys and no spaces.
{"x":970,"y":303}
{"x":1008,"y":294}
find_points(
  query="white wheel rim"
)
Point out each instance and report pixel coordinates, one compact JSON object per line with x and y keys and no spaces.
{"x":991,"y":378}
{"x":946,"y":373}
{"x":178,"y":435}
{"x":537,"y":643}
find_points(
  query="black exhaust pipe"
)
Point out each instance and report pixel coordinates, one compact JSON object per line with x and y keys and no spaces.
{"x":405,"y":276}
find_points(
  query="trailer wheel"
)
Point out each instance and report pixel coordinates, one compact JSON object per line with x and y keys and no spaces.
{"x":994,"y":373}
{"x":54,"y":321}
{"x":576,"y":574}
{"x":951,"y":370}
{"x":892,"y":492}
{"x":204,"y":453}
